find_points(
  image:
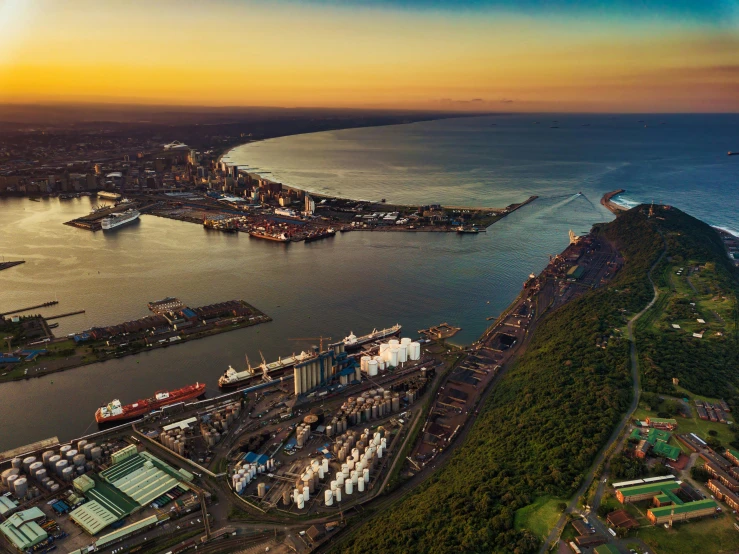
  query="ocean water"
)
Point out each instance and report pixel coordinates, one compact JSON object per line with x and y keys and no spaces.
{"x":494,"y":161}
{"x":355,"y":281}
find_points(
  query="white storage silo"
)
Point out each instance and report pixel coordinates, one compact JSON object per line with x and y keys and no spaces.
{"x":34,"y":468}
{"x":340,"y":479}
{"x":324,"y":463}
{"x":402,"y":353}
{"x":337,"y":494}
{"x":328,"y":497}
{"x":301,"y":502}
{"x":27,"y":463}
{"x":355,"y":477}
{"x":68,"y":473}
{"x":360,"y":485}
{"x":348,"y":487}
{"x":46,"y":456}
{"x":394,"y":343}
{"x":383,"y":347}
{"x":366,"y":476}
{"x":306,"y":493}
{"x":64,"y":449}
{"x":40,"y":475}
{"x":61,"y":465}
{"x":414,"y":351}
{"x":380,"y":362}
{"x":379,"y":451}
{"x":363,"y":361}
{"x":372,"y":368}
{"x":10,"y":481}
{"x":394,"y":357}
{"x":261,"y":490}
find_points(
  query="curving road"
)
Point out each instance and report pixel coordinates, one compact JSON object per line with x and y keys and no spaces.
{"x":557,"y":530}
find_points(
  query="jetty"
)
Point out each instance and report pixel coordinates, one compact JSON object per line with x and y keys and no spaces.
{"x":44,"y":305}
{"x":439,"y":332}
{"x":59,"y":316}
{"x":612,"y":206}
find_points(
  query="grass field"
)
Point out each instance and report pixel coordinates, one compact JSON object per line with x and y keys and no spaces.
{"x":539,"y":517}
{"x":714,"y":536}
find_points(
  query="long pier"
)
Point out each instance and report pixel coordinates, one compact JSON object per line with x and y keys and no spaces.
{"x":64,"y":315}
{"x":606,"y":201}
{"x":44,"y":305}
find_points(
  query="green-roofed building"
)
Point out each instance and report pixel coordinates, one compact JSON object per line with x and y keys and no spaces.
{"x":575,"y":272}
{"x":652,"y":436}
{"x":647,"y":491}
{"x":606,"y":549}
{"x":664,"y":450}
{"x":123,"y":532}
{"x":143,"y":478}
{"x":7,"y":505}
{"x":93,"y":517}
{"x":689,"y":510}
{"x":22,"y":529}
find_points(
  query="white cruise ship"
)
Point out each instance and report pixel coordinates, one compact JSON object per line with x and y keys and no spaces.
{"x":116,"y":220}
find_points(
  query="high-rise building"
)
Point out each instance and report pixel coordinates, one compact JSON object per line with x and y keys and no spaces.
{"x":310,"y":205}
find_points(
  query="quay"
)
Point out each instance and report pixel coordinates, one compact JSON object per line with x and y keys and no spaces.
{"x":8,"y":265}
{"x":612,"y":206}
{"x":439,"y":332}
{"x":44,"y":305}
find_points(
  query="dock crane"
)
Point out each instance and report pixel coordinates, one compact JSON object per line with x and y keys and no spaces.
{"x":321,"y":339}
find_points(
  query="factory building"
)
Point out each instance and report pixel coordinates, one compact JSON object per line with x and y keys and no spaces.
{"x":22,"y":529}
{"x":319,"y":370}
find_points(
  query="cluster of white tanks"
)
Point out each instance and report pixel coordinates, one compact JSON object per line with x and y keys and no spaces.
{"x":391,"y":354}
{"x":302,"y":432}
{"x":64,"y":465}
{"x":174,"y":439}
{"x":244,"y":474}
{"x":220,"y":422}
{"x":371,"y":405}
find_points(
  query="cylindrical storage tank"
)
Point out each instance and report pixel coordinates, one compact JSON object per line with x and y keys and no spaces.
{"x":286,"y":498}
{"x":348,"y":487}
{"x":61,"y":465}
{"x":394,"y":357}
{"x":27,"y":463}
{"x":402,"y":354}
{"x":40,"y":475}
{"x":334,"y":485}
{"x":337,"y":494}
{"x":340,"y":478}
{"x":414,"y":351}
{"x":306,"y":493}
{"x":301,"y":502}
{"x":405,"y":340}
{"x":366,"y":476}
{"x":261,"y":490}
{"x":350,"y":462}
{"x":379,"y":451}
{"x":79,"y":460}
{"x":20,"y":487}
{"x":375,"y":412}
{"x":81,"y":445}
{"x":363,"y":363}
{"x":383,"y":347}
{"x":355,"y":477}
{"x":10,"y":481}
{"x":393,"y":343}
{"x":396,"y":403}
{"x":34,"y":467}
{"x":54,"y":488}
{"x":87,"y":450}
{"x":53,"y":460}
{"x":321,"y":473}
{"x":360,"y":485}
{"x":372,"y":368}
{"x":64,"y":449}
{"x":324,"y":465}
{"x":380,"y":362}
{"x":96,"y":453}
{"x":328,"y":497}
{"x":68,"y":473}
{"x":16,"y":463}
{"x":80,"y":469}
{"x":46,"y":456}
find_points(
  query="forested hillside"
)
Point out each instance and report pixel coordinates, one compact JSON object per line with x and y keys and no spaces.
{"x":697,"y":283}
{"x":540,"y":430}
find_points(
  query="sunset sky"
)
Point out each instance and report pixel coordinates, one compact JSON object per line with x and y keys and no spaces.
{"x":530,"y":55}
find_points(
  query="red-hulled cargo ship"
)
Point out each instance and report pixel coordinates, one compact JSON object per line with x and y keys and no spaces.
{"x":115,"y":411}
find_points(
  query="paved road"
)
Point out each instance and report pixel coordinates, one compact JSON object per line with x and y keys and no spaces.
{"x":571,"y":507}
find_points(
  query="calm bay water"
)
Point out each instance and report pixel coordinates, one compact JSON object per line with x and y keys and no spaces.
{"x":355,"y":281}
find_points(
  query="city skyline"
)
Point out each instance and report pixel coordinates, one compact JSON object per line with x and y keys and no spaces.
{"x":475,"y":55}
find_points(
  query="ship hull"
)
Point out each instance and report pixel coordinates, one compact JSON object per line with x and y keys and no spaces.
{"x":108,"y":224}
{"x":353,"y":347}
{"x":147,"y":406}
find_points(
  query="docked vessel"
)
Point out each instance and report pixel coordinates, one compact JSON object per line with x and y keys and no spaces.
{"x":353,"y":342}
{"x":232,"y":378}
{"x":118,"y":219}
{"x":115,"y":411}
{"x":279,"y":237}
{"x":109,"y":195}
{"x":320,"y":235}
